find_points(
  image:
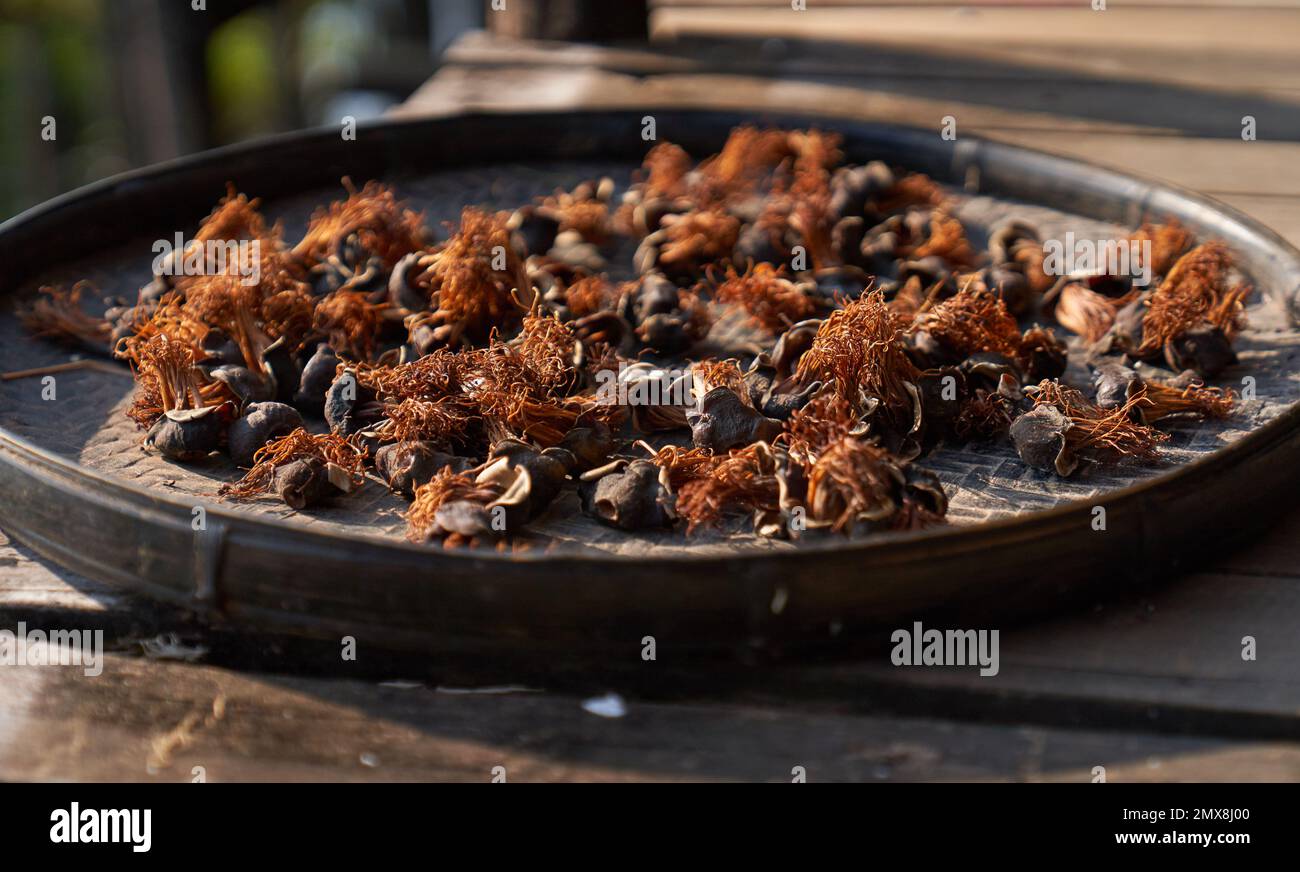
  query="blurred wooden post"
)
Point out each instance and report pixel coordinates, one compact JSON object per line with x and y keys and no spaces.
{"x":570,"y":20}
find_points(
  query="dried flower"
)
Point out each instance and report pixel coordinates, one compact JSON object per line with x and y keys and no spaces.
{"x":853,"y":481}
{"x":947,"y":239}
{"x":972,"y":322}
{"x":57,"y":314}
{"x":771,"y":300}
{"x":1088,"y":313}
{"x":1194,"y":400}
{"x":350,"y":322}
{"x":167,"y":380}
{"x":452,"y":507}
{"x":476,"y":280}
{"x":827,"y":419}
{"x":1064,"y":426}
{"x":1194,"y":292}
{"x":913,"y":189}
{"x":1168,"y":242}
{"x":696,"y":239}
{"x":380,"y":222}
{"x":743,"y":480}
{"x":335,"y":467}
{"x":858,"y":352}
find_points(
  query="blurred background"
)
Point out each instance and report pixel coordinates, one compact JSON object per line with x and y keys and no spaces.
{"x":131,"y":82}
{"x":1161,"y":87}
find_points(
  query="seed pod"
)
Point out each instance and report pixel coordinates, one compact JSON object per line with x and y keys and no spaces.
{"x":310,"y":481}
{"x":879,"y":250}
{"x":402,"y":294}
{"x":317,"y":376}
{"x":854,"y":188}
{"x":722,"y":421}
{"x":944,"y":392}
{"x":655,"y":295}
{"x":646,"y":257}
{"x":926,"y":489}
{"x":665,"y":333}
{"x":791,"y":346}
{"x":189,"y":435}
{"x":371,"y":279}
{"x":529,"y":479}
{"x":1009,"y":283}
{"x":344,"y":402}
{"x":780,"y":406}
{"x":1039,"y":437}
{"x":931,"y":271}
{"x":1205,"y":349}
{"x":325,"y":278}
{"x":605,"y":326}
{"x":1125,"y":334}
{"x":533,"y":230}
{"x":247,"y":386}
{"x":368,"y":441}
{"x":985,"y":369}
{"x":279,"y":364}
{"x":835,"y":282}
{"x":1115,"y":385}
{"x":219,"y":350}
{"x":759,"y":243}
{"x":759,"y":380}
{"x":406,"y":465}
{"x":846,"y":240}
{"x":659,"y":399}
{"x":571,"y":249}
{"x":1042,"y":354}
{"x":465,"y":518}
{"x":123,"y":322}
{"x":628,"y":496}
{"x":260,"y":423}
{"x":1004,"y":240}
{"x":590,"y":446}
{"x":426,"y":338}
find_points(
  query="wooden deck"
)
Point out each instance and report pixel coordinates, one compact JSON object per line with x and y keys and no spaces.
{"x":1151,"y":685}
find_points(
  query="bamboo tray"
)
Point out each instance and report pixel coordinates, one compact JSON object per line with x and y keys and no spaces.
{"x":74,"y":486}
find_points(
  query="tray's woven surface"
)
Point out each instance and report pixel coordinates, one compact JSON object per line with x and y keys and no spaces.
{"x":86,"y":422}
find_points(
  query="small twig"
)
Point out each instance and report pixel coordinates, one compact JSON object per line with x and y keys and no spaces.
{"x":70,"y":366}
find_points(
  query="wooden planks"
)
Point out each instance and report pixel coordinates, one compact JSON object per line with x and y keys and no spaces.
{"x":169,"y":722}
{"x":1165,"y":660}
{"x":1011,"y":34}
{"x":1167,"y":100}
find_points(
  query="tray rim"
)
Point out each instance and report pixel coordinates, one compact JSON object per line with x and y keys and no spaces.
{"x":47,"y":474}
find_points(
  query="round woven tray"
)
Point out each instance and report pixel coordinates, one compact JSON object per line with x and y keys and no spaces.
{"x":79,"y":488}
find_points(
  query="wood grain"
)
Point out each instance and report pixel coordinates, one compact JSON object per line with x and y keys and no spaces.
{"x":157,"y":721}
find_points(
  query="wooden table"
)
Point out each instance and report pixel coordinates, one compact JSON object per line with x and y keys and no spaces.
{"x":1151,"y":685}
